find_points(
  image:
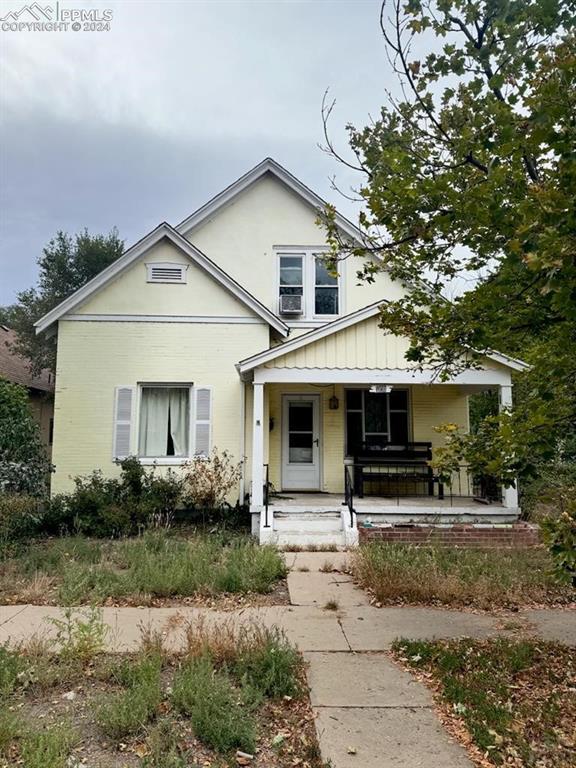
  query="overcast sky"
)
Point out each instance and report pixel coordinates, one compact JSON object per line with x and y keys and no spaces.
{"x":146,"y":122}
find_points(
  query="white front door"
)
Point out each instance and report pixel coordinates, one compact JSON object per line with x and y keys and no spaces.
{"x":301,"y":443}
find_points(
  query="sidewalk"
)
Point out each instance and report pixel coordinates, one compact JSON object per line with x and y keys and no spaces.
{"x":369,"y":713}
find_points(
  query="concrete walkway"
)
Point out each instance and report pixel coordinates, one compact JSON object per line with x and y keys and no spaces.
{"x":369,"y":713}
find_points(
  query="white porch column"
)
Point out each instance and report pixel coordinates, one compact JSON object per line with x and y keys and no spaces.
{"x":257,"y":500}
{"x":510,"y":495}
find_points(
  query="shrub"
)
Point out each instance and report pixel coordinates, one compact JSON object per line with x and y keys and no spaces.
{"x":103,"y":506}
{"x":20,"y":516}
{"x":24,"y":465}
{"x":209,"y":479}
{"x":559,"y":534}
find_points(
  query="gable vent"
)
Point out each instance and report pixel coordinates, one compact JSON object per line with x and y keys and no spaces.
{"x":166,"y":273}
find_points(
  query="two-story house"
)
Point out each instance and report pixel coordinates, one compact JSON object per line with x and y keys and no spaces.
{"x":228,"y":331}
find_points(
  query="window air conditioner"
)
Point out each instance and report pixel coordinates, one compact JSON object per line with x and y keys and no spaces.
{"x":290,"y":305}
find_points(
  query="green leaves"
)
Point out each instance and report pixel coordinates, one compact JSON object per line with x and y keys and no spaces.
{"x":472,"y":176}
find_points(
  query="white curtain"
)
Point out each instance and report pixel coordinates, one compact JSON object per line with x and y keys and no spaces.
{"x":154,"y":410}
{"x":179,"y":410}
{"x":161,"y":408}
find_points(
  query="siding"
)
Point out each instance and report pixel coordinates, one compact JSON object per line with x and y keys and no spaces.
{"x":241,"y":239}
{"x":430,"y":406}
{"x":130,"y":293}
{"x":363,"y":345}
{"x":93,"y":358}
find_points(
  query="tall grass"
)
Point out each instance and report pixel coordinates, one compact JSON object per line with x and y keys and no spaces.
{"x":157,"y":563}
{"x":485,"y":578}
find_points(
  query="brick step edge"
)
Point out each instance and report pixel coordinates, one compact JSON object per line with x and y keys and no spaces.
{"x":512,"y":536}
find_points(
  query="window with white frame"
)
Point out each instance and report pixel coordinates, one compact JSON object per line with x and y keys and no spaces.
{"x":375,"y":419}
{"x":164,"y":428}
{"x":305,"y":274}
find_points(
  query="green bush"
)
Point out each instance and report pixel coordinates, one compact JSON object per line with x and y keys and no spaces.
{"x":24,"y":465}
{"x":20,"y":516}
{"x":559,"y":534}
{"x":102,"y":506}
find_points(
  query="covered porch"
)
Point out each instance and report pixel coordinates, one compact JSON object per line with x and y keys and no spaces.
{"x":341,"y":428}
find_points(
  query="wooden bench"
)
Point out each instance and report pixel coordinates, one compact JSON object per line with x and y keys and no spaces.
{"x":394,"y":464}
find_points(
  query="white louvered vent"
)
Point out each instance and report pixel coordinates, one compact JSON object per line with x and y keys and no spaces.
{"x":166,"y":273}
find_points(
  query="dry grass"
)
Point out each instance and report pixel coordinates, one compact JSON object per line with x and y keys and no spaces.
{"x":327,"y":566}
{"x":511,"y":702}
{"x":396,"y":573}
{"x":227,"y":687}
{"x":331,"y":605}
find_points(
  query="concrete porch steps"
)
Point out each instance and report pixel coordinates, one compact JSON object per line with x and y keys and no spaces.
{"x":308,"y":528}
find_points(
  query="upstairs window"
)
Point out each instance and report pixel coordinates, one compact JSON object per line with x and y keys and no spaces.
{"x":304,"y":274}
{"x":291,"y":275}
{"x":325,"y":289}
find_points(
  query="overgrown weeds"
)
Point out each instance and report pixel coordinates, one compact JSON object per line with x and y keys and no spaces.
{"x":129,"y":711}
{"x":397,"y":573}
{"x":157,"y":564}
{"x":229,"y":687}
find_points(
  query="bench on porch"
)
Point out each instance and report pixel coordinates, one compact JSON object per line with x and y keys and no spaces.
{"x":392,"y":465}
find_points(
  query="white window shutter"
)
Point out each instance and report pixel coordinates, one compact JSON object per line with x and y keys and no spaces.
{"x":203,"y":421}
{"x":123,"y":407}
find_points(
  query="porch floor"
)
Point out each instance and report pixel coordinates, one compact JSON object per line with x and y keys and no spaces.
{"x":319,"y":502}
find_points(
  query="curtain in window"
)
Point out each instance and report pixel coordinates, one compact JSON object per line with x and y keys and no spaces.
{"x":164,"y":422}
{"x":179,"y":420}
{"x":154,"y":409}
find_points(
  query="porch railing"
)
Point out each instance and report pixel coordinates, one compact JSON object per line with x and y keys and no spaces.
{"x":399,"y":480}
{"x":349,"y":492}
{"x":266,"y":495}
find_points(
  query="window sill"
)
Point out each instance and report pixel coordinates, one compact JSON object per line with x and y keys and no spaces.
{"x":176,"y":461}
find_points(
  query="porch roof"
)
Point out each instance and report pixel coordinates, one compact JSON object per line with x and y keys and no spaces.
{"x":354,"y":348}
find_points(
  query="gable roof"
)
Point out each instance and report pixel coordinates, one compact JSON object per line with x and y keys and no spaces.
{"x":271,"y":167}
{"x":250,"y":363}
{"x":162,"y":232}
{"x":17,"y":369}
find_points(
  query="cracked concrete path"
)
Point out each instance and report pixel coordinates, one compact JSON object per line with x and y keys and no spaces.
{"x":369,"y":712}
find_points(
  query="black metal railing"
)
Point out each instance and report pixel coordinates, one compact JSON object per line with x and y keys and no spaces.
{"x":398,"y":480}
{"x":349,"y":492}
{"x":266,"y":495}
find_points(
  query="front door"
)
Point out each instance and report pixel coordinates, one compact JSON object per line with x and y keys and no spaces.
{"x":301,"y":443}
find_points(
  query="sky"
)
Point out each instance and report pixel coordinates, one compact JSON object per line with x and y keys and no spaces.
{"x":145,"y":122}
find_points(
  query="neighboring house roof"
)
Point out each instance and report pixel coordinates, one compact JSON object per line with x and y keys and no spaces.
{"x":162,"y":231}
{"x":267,"y":166}
{"x":17,"y":369}
{"x":250,"y":363}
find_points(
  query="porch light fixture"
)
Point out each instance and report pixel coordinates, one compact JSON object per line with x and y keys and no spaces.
{"x":333,"y":403}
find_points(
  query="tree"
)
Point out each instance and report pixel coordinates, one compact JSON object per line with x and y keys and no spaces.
{"x":24,"y":466}
{"x":67,"y":264}
{"x":471,"y":175}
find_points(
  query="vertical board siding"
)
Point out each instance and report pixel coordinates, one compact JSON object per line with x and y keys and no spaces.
{"x":363,"y":345}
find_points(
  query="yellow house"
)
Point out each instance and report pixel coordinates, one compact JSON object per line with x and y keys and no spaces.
{"x":228,"y":332}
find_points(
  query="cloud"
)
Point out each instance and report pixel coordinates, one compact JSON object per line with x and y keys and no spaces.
{"x":148,"y":121}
